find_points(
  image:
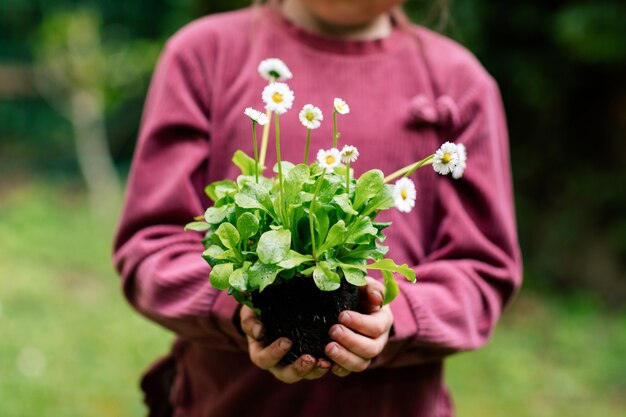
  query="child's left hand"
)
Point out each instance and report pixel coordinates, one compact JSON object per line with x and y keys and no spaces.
{"x":358,"y":338}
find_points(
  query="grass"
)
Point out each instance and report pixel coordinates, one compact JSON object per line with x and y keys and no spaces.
{"x":71,"y":346}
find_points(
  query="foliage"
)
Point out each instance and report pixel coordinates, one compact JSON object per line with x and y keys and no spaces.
{"x":258,"y":233}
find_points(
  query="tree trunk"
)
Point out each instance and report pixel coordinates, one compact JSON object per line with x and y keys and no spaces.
{"x":94,"y":158}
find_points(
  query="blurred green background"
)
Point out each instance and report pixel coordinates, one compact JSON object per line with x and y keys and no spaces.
{"x":73,"y":76}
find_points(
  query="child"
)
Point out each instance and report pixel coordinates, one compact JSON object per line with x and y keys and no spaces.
{"x":409,"y":90}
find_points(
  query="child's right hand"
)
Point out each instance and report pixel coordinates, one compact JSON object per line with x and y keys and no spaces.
{"x":267,"y":357}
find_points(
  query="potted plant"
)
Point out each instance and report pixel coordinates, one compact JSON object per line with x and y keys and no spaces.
{"x":296,"y":246}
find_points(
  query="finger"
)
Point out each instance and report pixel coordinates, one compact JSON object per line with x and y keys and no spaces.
{"x":339,"y":371}
{"x":250,"y":323}
{"x":362,"y":346}
{"x":266,"y":357}
{"x":346,"y":359}
{"x":372,"y":294}
{"x":321,"y":368}
{"x":296,"y":371}
{"x":373,"y":325}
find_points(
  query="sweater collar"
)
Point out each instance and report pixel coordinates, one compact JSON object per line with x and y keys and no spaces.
{"x":333,"y":45}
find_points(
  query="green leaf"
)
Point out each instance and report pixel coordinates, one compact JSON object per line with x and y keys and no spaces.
{"x":239,"y":278}
{"x":286,"y":165}
{"x":325,"y":278}
{"x":247,"y":225}
{"x":220,"y":189}
{"x":367,"y":186}
{"x":354,"y":276}
{"x":211,"y":253}
{"x":343,"y":201}
{"x":220,"y":275}
{"x":273,"y":246}
{"x":261,"y":275}
{"x":254,"y":196}
{"x":247,"y":202}
{"x":215,"y":215}
{"x":328,"y":189}
{"x":294,"y":181}
{"x":244,"y":162}
{"x":243,"y":298}
{"x":389,"y":265}
{"x":197,"y":226}
{"x":228,"y":234}
{"x":321,"y":222}
{"x":382,"y":201}
{"x":229,"y":255}
{"x":391,"y":287}
{"x":361,"y":231}
{"x":294,"y":259}
{"x":335,"y":236}
{"x":371,"y":250}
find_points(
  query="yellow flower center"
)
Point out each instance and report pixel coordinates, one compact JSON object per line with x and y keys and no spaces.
{"x":277,"y":97}
{"x":446,"y":158}
{"x":404,"y":194}
{"x":330,"y":159}
{"x":339,"y":108}
{"x":310,"y":117}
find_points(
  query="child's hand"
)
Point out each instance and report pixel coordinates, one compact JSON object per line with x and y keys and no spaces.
{"x":267,"y":357}
{"x":360,"y":337}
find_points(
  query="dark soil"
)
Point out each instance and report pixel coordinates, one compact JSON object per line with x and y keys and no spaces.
{"x":298,"y":310}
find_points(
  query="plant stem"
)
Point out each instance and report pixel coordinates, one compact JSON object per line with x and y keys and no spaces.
{"x":265,"y":139}
{"x":409,"y":169}
{"x":426,"y":161}
{"x":348,"y":178}
{"x":306,"y":147}
{"x":372,"y":209}
{"x":256,"y":153}
{"x":335,"y":134}
{"x":280,"y":173}
{"x":311,"y":226}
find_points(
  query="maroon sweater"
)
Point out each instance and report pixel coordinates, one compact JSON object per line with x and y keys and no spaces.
{"x":408,"y":93}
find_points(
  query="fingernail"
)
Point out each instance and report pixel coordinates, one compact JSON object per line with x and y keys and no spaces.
{"x":335,"y":331}
{"x":308,"y":360}
{"x":256,"y":331}
{"x":345,"y":317}
{"x":284,"y":344}
{"x":322,"y":364}
{"x":333,"y":350}
{"x":378,"y":295}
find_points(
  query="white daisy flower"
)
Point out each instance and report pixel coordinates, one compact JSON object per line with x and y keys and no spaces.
{"x":404,"y":195}
{"x":256,"y":116}
{"x":460,"y":168}
{"x":446,"y":158}
{"x":341,"y":106}
{"x":349,"y":154}
{"x":329,"y":159}
{"x":311,"y":117}
{"x":278,"y":97}
{"x":273,"y":69}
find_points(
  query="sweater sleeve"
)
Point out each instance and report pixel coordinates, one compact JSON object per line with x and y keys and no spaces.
{"x":163,"y":275}
{"x":473,"y":267}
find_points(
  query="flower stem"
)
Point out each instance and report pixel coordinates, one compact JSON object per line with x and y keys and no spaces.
{"x":311,"y":226}
{"x":348,"y":178}
{"x":280,"y":172}
{"x":256,"y":153}
{"x":335,"y":134}
{"x":409,"y":169}
{"x":306,"y":148}
{"x":265,"y":139}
